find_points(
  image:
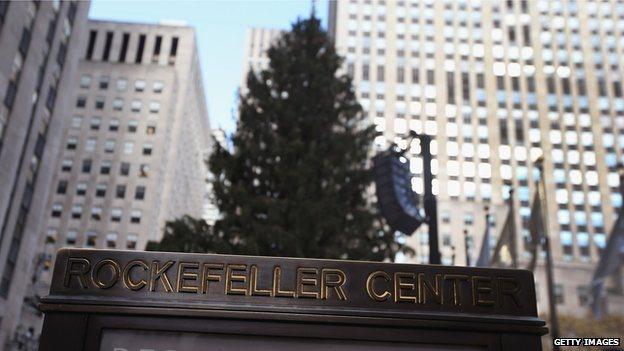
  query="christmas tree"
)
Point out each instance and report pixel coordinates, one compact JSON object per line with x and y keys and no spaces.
{"x":297,"y":181}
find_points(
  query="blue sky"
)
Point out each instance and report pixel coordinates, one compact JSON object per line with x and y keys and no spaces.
{"x":220,"y":27}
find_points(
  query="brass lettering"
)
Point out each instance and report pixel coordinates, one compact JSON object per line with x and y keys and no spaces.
{"x":425,"y":288}
{"x":456,"y":279}
{"x":513,"y":292}
{"x":208,"y":277}
{"x":253,"y":283}
{"x":479,"y":288}
{"x":127,"y":273}
{"x":400,"y":286}
{"x":184,"y":275}
{"x":230,"y":278}
{"x":78,"y":267}
{"x":157,"y":273}
{"x":327,"y":283}
{"x":307,"y":277}
{"x":95,"y":274}
{"x":277,"y":280}
{"x":370,"y":286}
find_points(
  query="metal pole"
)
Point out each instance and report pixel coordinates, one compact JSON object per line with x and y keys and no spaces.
{"x":430,"y":202}
{"x":453,"y":255}
{"x":550,"y":280}
{"x":467,"y":248}
{"x":513,"y":248}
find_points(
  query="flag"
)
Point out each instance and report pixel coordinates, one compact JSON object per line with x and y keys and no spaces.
{"x":611,"y":260}
{"x":484,"y":259}
{"x":536,"y":228}
{"x":506,"y":244}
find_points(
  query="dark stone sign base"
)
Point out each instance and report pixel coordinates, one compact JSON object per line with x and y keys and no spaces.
{"x":131,"y":301}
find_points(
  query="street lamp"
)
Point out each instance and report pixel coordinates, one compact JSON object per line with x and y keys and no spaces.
{"x":399,"y":204}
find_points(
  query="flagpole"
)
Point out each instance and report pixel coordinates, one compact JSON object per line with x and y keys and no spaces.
{"x":610,"y":262}
{"x":466,"y":248}
{"x":554,"y":320}
{"x":513,"y":250}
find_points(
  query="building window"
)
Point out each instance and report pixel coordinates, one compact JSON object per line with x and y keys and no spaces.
{"x":91,"y":239}
{"x":144,"y":170}
{"x":135,"y":106}
{"x":120,"y":191}
{"x":96,"y":122}
{"x":468,"y":218}
{"x":365,"y":72}
{"x":139,"y":193}
{"x":124,"y":47}
{"x":583,"y":293}
{"x":116,"y":215}
{"x":86,"y":166}
{"x":96,"y":213}
{"x":62,"y":187}
{"x":124,"y":169}
{"x":132,"y":126}
{"x":156,"y":52}
{"x":109,"y":146}
{"x":128,"y":147}
{"x":85,"y":81}
{"x":70,"y":238}
{"x":72,"y":142}
{"x":158,"y":87}
{"x":103,"y":82}
{"x":99,"y":103}
{"x":105,"y":167}
{"x":51,"y":235}
{"x":76,"y":211}
{"x":150,"y":130}
{"x":559,"y":294}
{"x":131,"y":241}
{"x":90,"y":144}
{"x":76,"y":122}
{"x":122,"y":84}
{"x":135,"y":216}
{"x":139,"y":53}
{"x":81,"y":188}
{"x":139,"y":85}
{"x":81,"y":101}
{"x":57,"y":210}
{"x":380,"y":73}
{"x":173,"y":50}
{"x":113,"y":125}
{"x":147,"y":149}
{"x":111,"y":240}
{"x":100,"y":190}
{"x":66,"y":165}
{"x":118,"y":104}
{"x":154,"y":107}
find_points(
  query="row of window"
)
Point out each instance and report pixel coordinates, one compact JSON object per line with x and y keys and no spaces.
{"x":124,"y":45}
{"x":118,"y":104}
{"x":91,"y":238}
{"x":100,"y":190}
{"x":76,"y":212}
{"x":121,"y":84}
{"x":105,"y":167}
{"x":113,"y":125}
{"x":109,"y":146}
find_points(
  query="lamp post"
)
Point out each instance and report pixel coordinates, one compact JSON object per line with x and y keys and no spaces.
{"x":430,"y":201}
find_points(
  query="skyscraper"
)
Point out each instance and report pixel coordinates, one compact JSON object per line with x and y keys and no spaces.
{"x":39,"y":44}
{"x":498,"y":84}
{"x":257,"y":42}
{"x":133,"y":151}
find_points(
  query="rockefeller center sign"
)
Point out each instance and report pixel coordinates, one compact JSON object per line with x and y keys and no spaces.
{"x":125,"y":300}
